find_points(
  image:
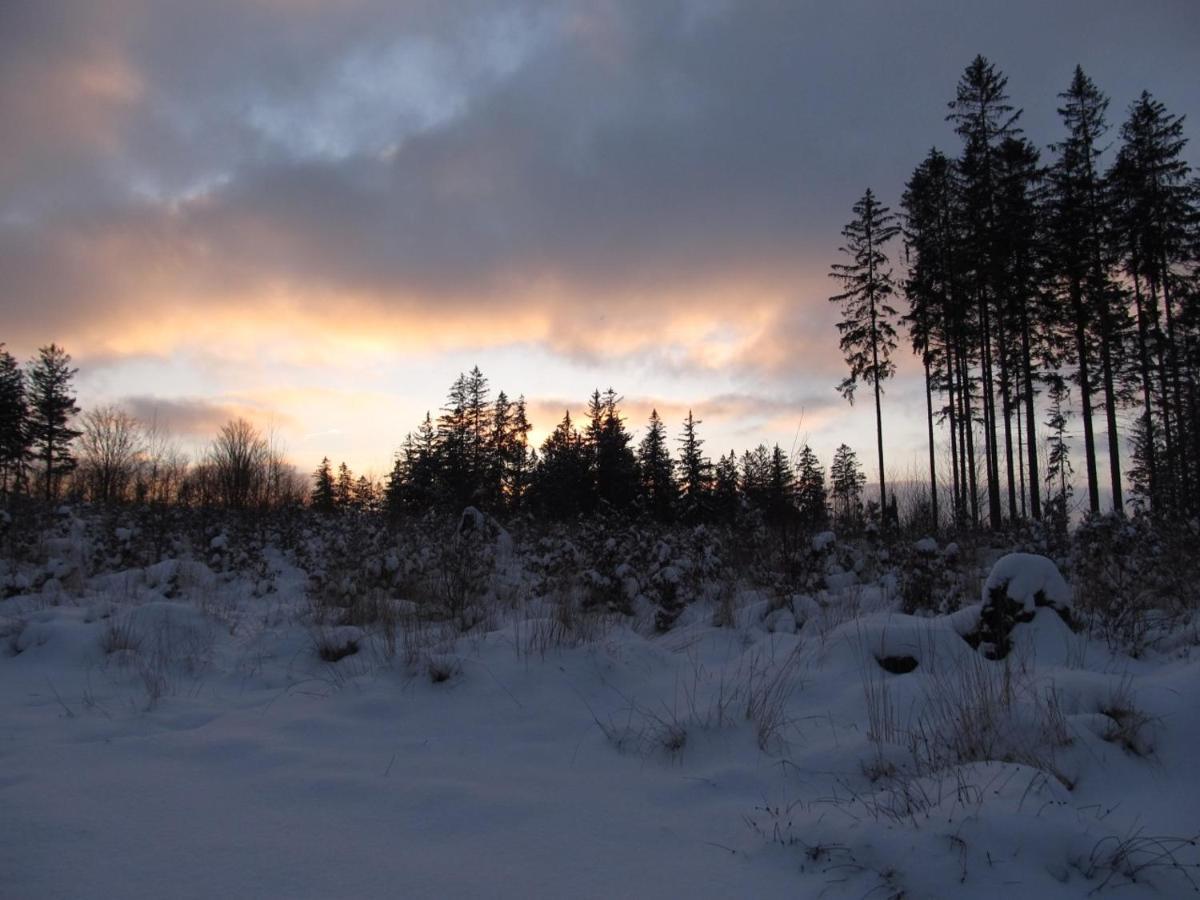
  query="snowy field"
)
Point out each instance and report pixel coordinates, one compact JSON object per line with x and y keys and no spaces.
{"x":202,"y":728}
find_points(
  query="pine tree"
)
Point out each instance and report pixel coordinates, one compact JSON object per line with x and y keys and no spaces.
{"x":612,"y":460}
{"x":656,"y":470}
{"x":726,"y":498}
{"x":521,"y":459}
{"x":562,"y":481}
{"x":1058,"y":460}
{"x":1021,"y":233}
{"x":810,"y":490}
{"x":1155,"y":214}
{"x":322,"y":498}
{"x":343,"y":488}
{"x":51,"y":408}
{"x":983,"y":118}
{"x":780,"y":488}
{"x":846,"y":486}
{"x":941,"y":320}
{"x":867,"y":326}
{"x":1079,"y":218}
{"x":365,"y":495}
{"x":14,"y":424}
{"x":756,"y":476}
{"x":695,"y":474}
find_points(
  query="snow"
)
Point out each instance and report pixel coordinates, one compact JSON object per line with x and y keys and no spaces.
{"x":926,"y":545}
{"x":1029,"y":580}
{"x":179,"y":723}
{"x":823,"y":540}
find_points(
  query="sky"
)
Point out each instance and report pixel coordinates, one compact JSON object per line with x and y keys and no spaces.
{"x":316,"y":214}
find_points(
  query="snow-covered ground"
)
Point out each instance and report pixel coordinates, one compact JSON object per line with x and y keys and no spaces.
{"x":173,"y":731}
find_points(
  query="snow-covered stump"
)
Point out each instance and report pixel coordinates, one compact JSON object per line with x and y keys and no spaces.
{"x":1017,"y":587}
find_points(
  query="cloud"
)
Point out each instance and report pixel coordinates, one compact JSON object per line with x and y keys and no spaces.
{"x":196,"y":418}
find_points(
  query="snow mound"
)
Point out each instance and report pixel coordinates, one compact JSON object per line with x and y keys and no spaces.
{"x":823,"y":540}
{"x":1028,"y":580}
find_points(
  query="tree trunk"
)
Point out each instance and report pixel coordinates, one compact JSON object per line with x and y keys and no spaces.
{"x":1085,"y":398}
{"x":933,"y":488}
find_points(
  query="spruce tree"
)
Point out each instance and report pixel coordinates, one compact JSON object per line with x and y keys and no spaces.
{"x":51,"y":408}
{"x":983,"y":118}
{"x":726,"y":497}
{"x":810,"y":490}
{"x":695,"y":473}
{"x":1079,"y":219}
{"x":322,"y":498}
{"x":656,"y":470}
{"x":14,"y":424}
{"x":562,"y":481}
{"x":868,"y":333}
{"x":846,"y":481}
{"x":343,"y":488}
{"x":1156,"y":216}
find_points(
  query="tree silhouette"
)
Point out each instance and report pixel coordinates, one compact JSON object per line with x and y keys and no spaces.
{"x":51,"y":408}
{"x":867,"y":325}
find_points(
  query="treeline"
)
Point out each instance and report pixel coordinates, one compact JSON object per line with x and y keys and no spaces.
{"x":1070,"y":277}
{"x":478,"y":453}
{"x":49,"y":449}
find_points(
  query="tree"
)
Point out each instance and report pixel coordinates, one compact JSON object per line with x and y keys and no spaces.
{"x":867,"y":329}
{"x":695,"y":473}
{"x":846,"y":486}
{"x":110,"y":450}
{"x":726,"y":497}
{"x":51,"y":408}
{"x":983,"y":118}
{"x":1058,"y":460}
{"x":1080,"y":220}
{"x":365,"y":494}
{"x":343,"y":488}
{"x":810,"y":489}
{"x":237,"y":460}
{"x":656,"y":470}
{"x":1156,"y":217}
{"x":561,"y":485}
{"x":614,"y":477}
{"x":323,"y":496}
{"x":14,"y":424}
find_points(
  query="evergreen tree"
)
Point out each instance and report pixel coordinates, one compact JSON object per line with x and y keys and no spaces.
{"x":1058,"y":460}
{"x":941,"y":320}
{"x":780,"y":488}
{"x":846,"y":486}
{"x":561,"y":485}
{"x":867,"y":326}
{"x":726,"y":497}
{"x":322,"y":497}
{"x":983,"y":118}
{"x":14,"y":424}
{"x":1080,"y":220}
{"x":656,"y":470}
{"x":343,"y":488}
{"x":756,"y":477}
{"x":1022,"y":309}
{"x":695,"y":473}
{"x":810,"y":490}
{"x":1156,"y":218}
{"x":365,"y":495}
{"x":51,"y":408}
{"x":612,"y":460}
